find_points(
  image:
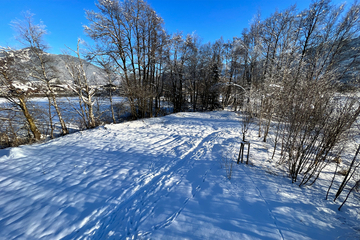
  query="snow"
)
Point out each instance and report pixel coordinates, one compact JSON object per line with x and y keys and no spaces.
{"x":160,"y":178}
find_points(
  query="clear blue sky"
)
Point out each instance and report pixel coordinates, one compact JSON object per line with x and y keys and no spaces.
{"x":210,"y":19}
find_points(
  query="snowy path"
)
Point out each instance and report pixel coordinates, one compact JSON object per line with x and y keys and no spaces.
{"x":157,"y":178}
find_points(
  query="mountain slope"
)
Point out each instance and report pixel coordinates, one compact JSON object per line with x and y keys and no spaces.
{"x":56,"y":67}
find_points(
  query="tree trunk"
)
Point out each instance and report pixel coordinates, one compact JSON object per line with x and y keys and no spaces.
{"x":267,"y":127}
{"x":92,"y":122}
{"x":35,"y":131}
{"x":347,"y":178}
{"x":112,"y":106}
{"x":50,"y":118}
{"x":64,"y":129}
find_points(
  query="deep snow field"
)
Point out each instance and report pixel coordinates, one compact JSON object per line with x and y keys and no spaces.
{"x":161,"y":178}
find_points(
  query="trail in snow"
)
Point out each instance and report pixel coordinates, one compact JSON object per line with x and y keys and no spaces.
{"x":153,"y":186}
{"x":192,"y":155}
{"x":267,"y":204}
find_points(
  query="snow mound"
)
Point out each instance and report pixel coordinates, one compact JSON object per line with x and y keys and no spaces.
{"x":11,"y":153}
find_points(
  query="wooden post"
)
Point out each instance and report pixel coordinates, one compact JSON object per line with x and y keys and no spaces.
{"x":241,"y":152}
{"x":248,"y":153}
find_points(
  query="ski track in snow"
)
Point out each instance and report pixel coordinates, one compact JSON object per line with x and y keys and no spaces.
{"x":267,"y":204}
{"x":155,"y":178}
{"x":140,"y":205}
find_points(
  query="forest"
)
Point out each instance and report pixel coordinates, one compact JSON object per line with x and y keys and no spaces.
{"x":294,"y":73}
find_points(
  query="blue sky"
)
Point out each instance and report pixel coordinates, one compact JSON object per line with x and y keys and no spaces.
{"x":210,"y":19}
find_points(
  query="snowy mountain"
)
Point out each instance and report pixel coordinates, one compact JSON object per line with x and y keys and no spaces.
{"x":57,"y":64}
{"x":95,"y":74}
{"x":161,"y":178}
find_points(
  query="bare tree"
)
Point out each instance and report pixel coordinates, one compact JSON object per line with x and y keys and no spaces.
{"x":292,"y":65}
{"x":130,"y":33}
{"x":110,"y":87}
{"x":40,"y":66}
{"x":13,"y":79}
{"x":176,"y":58}
{"x":81,"y":86}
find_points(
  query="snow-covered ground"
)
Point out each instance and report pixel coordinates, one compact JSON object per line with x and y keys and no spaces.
{"x":160,"y":178}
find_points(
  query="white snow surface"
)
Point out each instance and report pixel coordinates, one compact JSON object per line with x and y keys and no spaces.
{"x":159,"y":178}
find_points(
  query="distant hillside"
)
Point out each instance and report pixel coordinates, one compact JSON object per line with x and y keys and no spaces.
{"x":95,"y":74}
{"x":350,"y":57}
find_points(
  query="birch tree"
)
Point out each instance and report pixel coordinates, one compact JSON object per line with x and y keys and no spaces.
{"x":13,"y":79}
{"x":81,"y":86}
{"x":40,"y":66}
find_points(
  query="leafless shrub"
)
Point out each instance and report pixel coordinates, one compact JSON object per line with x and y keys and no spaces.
{"x":120,"y":110}
{"x":227,"y":163}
